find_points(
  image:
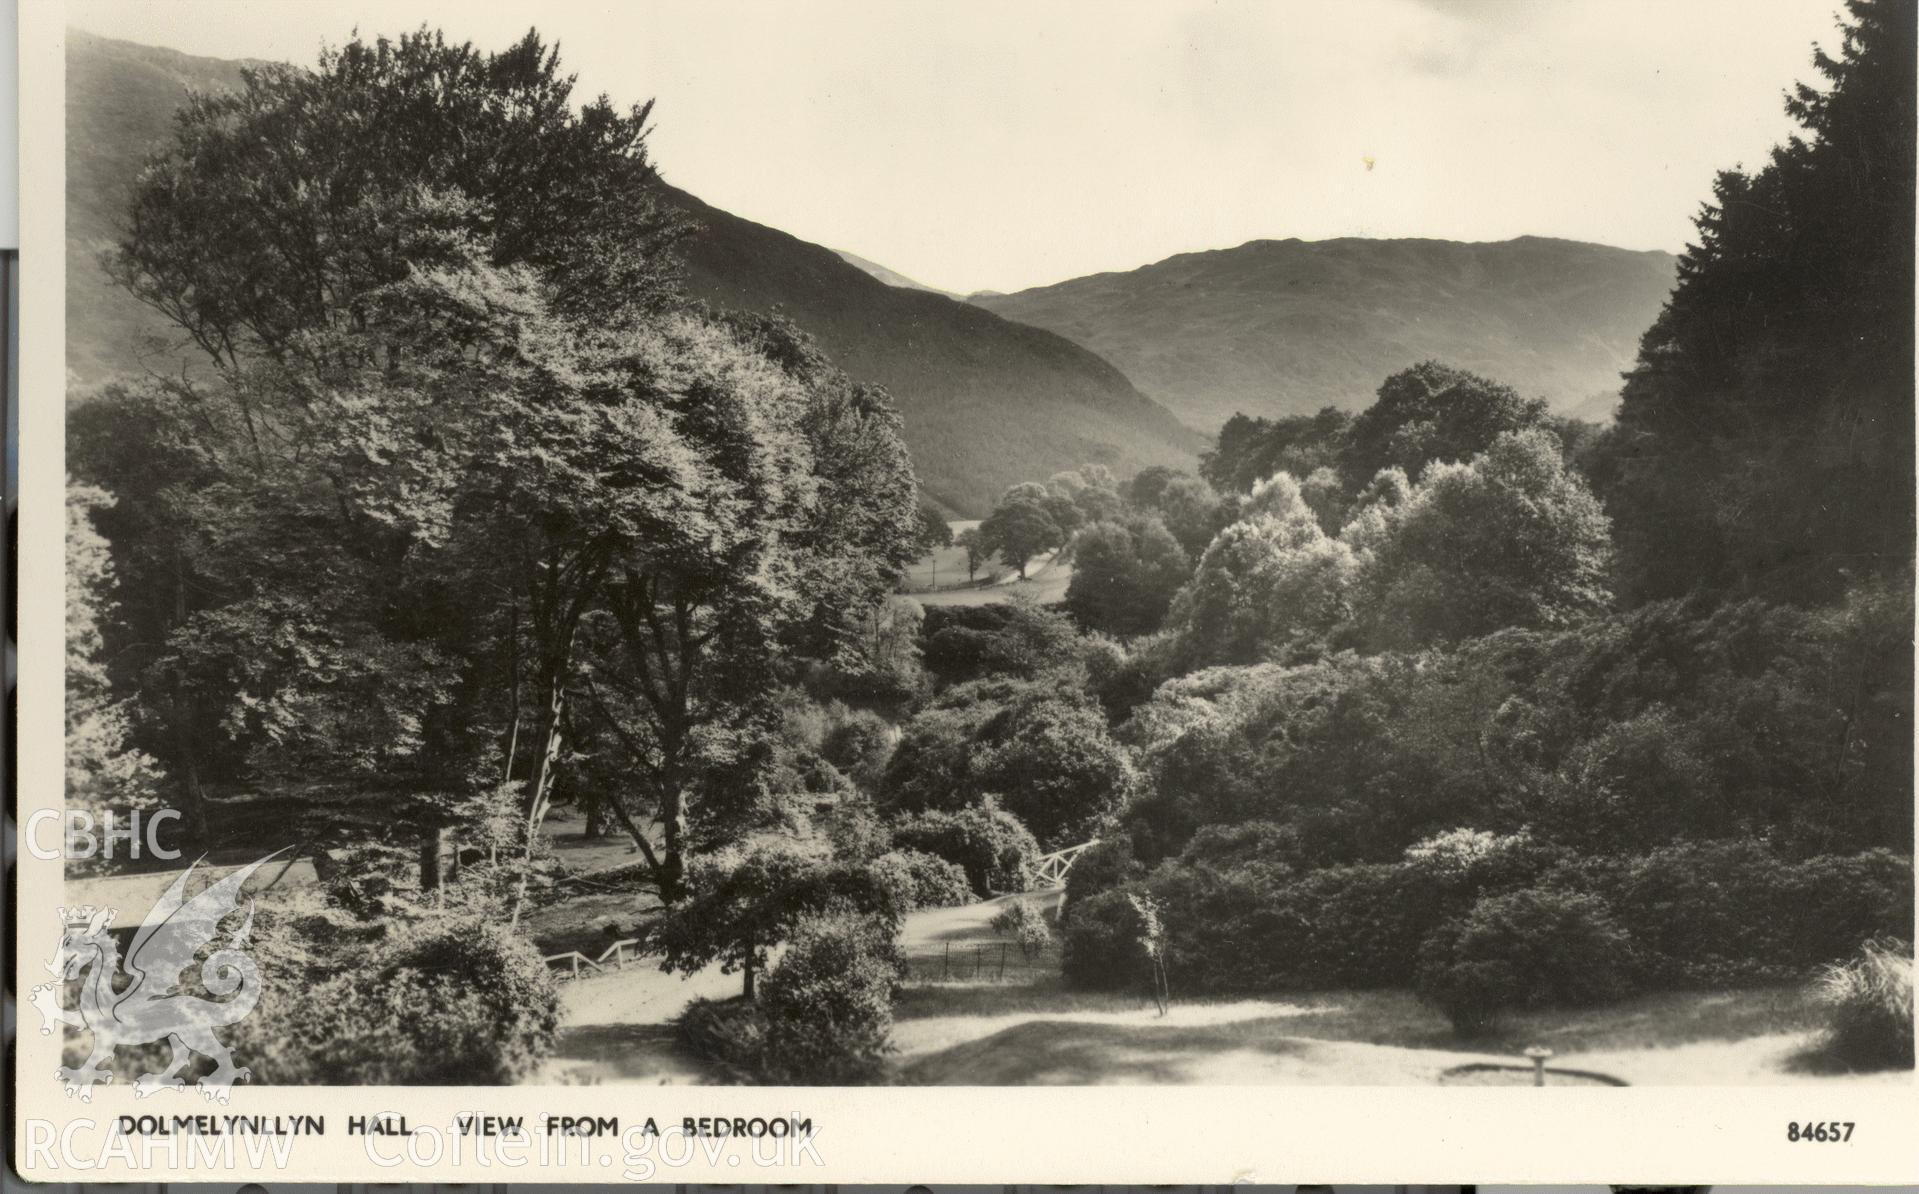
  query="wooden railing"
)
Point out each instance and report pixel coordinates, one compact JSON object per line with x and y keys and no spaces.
{"x":573,"y":959}
{"x":1049,"y":870}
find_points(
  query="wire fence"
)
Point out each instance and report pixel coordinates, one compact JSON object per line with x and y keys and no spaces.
{"x":997,"y":961}
{"x":978,"y":953}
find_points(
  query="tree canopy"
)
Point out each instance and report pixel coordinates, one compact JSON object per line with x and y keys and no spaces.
{"x":468,"y":486}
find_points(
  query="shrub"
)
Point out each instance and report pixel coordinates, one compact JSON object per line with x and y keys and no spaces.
{"x":1868,"y":1004}
{"x":1040,"y":742}
{"x":927,"y":880}
{"x":1712,"y":913}
{"x":1257,"y":926}
{"x":855,"y":830}
{"x":1101,"y":867}
{"x":828,"y":1005}
{"x":1026,"y":925}
{"x":1100,"y":946}
{"x":741,"y":905}
{"x":994,"y":850}
{"x":1525,"y":949}
{"x":858,"y":743}
{"x":1062,"y":774}
{"x":447,"y":1004}
{"x":729,"y":1033}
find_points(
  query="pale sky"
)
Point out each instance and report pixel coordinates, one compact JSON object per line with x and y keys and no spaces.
{"x":999,"y":144}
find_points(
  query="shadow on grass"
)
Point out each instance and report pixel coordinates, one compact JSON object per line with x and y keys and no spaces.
{"x":1067,"y":1053}
{"x":628,"y":1051}
{"x":1644,"y":1022}
{"x":1046,"y":996}
{"x":1822,"y":1058}
{"x":1399,"y":1018}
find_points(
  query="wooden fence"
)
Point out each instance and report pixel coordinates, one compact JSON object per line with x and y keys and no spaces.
{"x":1049,"y":870}
{"x":615,"y":958}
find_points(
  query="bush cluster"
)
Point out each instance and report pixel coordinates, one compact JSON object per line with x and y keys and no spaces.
{"x":823,"y":1016}
{"x":828,"y":1005}
{"x":925,"y":880}
{"x":994,"y":850}
{"x":729,"y":1033}
{"x":1481,"y":922}
{"x":1101,"y":947}
{"x":1711,"y":914}
{"x":452,"y":1003}
{"x":1026,"y":925}
{"x":1525,"y":949}
{"x":1101,"y":867}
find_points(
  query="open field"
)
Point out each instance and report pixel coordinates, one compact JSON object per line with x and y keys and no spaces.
{"x":1046,"y":581}
{"x":939,"y":578}
{"x":945,"y":567}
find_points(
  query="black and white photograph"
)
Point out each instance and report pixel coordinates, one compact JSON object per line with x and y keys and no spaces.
{"x":842,"y":545}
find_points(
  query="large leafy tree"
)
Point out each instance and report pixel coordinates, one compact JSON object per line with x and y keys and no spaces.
{"x":1125,"y":575}
{"x":1022,"y":526}
{"x":1249,"y":450}
{"x":1765,"y":436}
{"x":280,"y":204}
{"x":1272,"y":585}
{"x":371,"y":254}
{"x":694,"y":606}
{"x":1187,"y":505}
{"x":742,"y":907}
{"x":1432,"y":412}
{"x":1512,"y":538}
{"x":1039,"y":748}
{"x":457,"y":433}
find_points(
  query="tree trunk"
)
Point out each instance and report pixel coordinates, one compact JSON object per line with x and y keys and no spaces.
{"x":193,"y":796}
{"x":673,"y":856}
{"x":539,"y":796}
{"x":432,"y":861}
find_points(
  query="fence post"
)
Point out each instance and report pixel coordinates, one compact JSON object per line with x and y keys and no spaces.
{"x":1002,"y":963}
{"x":946,"y":962}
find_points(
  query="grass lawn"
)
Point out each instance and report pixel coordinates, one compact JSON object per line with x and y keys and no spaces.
{"x":975,"y":1013}
{"x":1042,"y":1033}
{"x":945,"y":567}
{"x":959,"y":1022}
{"x":940,"y":578}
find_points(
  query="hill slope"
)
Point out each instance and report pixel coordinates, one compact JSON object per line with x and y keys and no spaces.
{"x":120,"y":103}
{"x":986,"y":402}
{"x":1285,"y":327}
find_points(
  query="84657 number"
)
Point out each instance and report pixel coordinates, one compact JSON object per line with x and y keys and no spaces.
{"x":1832,"y":1131}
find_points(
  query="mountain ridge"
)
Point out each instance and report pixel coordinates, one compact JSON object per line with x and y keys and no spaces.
{"x":1278,"y":326}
